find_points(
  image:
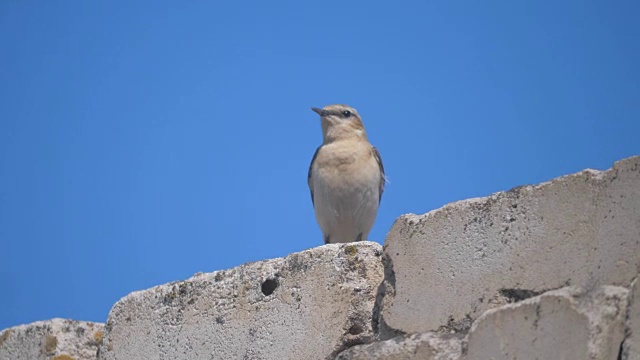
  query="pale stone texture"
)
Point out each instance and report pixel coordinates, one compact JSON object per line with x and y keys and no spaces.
{"x":425,"y":346}
{"x":452,"y":264}
{"x":569,"y":323}
{"x":631,"y":348}
{"x":309,"y":305}
{"x":56,"y":339}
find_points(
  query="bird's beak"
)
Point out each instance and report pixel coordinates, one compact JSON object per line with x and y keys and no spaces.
{"x":319,"y":111}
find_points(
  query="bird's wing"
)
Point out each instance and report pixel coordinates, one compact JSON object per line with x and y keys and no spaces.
{"x":309,"y":175}
{"x":376,"y":155}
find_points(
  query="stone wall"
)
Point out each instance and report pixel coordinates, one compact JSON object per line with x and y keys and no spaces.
{"x":547,"y":271}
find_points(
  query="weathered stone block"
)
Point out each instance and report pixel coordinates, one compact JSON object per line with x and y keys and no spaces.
{"x":569,"y":323}
{"x":426,"y":346}
{"x":308,"y":305}
{"x":452,"y":264}
{"x":631,"y":348}
{"x":56,"y":339}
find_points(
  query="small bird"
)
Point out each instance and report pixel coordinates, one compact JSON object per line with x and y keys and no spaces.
{"x":346,"y":177}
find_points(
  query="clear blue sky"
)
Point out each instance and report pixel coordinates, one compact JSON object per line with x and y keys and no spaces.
{"x":141,"y":143}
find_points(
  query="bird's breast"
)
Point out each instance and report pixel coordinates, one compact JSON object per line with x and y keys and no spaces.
{"x":346,"y":166}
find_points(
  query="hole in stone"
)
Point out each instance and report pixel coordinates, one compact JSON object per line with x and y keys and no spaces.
{"x":355,"y":329}
{"x":269,"y":286}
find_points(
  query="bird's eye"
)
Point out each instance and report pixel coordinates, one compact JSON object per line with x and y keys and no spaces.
{"x":346,"y":113}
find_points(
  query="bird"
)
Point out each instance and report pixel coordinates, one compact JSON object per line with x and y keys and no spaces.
{"x":346,"y":177}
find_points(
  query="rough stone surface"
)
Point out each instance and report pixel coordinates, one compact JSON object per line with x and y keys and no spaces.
{"x":452,"y":264}
{"x":569,"y":323}
{"x":309,"y":305}
{"x":56,"y":339}
{"x":631,"y":348}
{"x":425,"y":346}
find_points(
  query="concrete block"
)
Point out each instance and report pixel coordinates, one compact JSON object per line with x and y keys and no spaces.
{"x":450,"y":265}
{"x":308,"y":305}
{"x":425,"y":346}
{"x":569,"y":323}
{"x":56,"y":339}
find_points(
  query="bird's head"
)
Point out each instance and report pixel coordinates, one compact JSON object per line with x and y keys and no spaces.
{"x":340,"y":122}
